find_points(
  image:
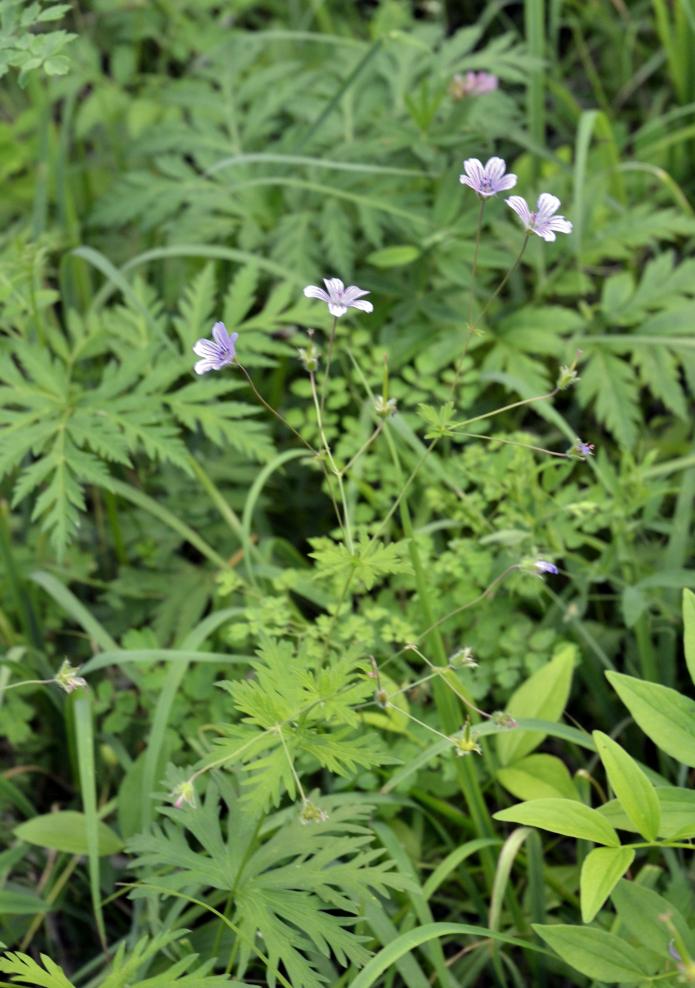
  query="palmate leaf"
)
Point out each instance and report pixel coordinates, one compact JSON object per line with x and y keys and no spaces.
{"x":24,"y":970}
{"x":370,"y":562}
{"x":609,"y":384}
{"x":300,"y":888}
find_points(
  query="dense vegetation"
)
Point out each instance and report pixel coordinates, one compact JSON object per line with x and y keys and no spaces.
{"x":362,"y":655}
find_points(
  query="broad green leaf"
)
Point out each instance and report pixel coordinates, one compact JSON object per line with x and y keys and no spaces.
{"x":18,"y":902}
{"x":601,"y":870}
{"x":562,"y":816}
{"x":635,"y":792}
{"x":393,"y":257}
{"x":542,"y":696}
{"x":677,"y":813}
{"x":666,"y":716}
{"x":66,"y":831}
{"x":641,"y":909}
{"x":537,"y":777}
{"x":595,"y":953}
{"x":689,"y":630}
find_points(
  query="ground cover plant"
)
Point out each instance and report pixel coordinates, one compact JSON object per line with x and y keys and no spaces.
{"x":346,"y":445}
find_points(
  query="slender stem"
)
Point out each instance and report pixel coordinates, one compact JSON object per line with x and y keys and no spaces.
{"x":329,"y":360}
{"x":511,"y":442}
{"x":300,"y":788}
{"x":470,"y":328}
{"x":417,"y":720}
{"x":505,"y":408}
{"x":404,"y":488}
{"x":507,"y":276}
{"x":272,"y":410}
{"x":26,"y":682}
{"x":337,"y":473}
{"x":336,"y":612}
{"x":365,"y":446}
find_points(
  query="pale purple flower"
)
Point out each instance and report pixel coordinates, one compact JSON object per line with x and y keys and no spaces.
{"x":543,"y":566}
{"x":473,"y":84}
{"x":583,"y":449}
{"x":489,"y":179}
{"x":67,"y":677}
{"x":543,"y":221}
{"x":217,"y":352}
{"x":338,"y":298}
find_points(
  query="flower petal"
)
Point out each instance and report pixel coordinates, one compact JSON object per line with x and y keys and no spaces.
{"x":560,"y":224}
{"x":220,"y":334}
{"x":547,"y":234}
{"x":203,"y":366}
{"x":362,"y":304}
{"x":313,"y":291}
{"x":334,"y":287}
{"x":494,"y":169}
{"x":205,"y":348}
{"x":352,"y":292}
{"x":546,"y":206}
{"x":475,"y":171}
{"x":506,"y":182}
{"x":520,"y":207}
{"x":336,"y":309}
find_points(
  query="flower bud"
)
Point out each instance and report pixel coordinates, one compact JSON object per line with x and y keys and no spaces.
{"x":311,"y":813}
{"x":67,"y":677}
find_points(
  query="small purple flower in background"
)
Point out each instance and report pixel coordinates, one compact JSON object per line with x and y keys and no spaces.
{"x":543,"y":566}
{"x":489,"y":179}
{"x":183,"y":795}
{"x":473,"y":84}
{"x":583,"y":449}
{"x":338,"y":298}
{"x":543,"y":221}
{"x":217,"y":352}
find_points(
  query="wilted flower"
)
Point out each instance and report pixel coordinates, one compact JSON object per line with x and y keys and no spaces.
{"x":338,"y":298}
{"x":543,"y":221}
{"x":67,"y":677}
{"x":466,"y":746}
{"x":311,"y":813}
{"x":503,"y":719}
{"x":381,"y":697}
{"x":463,"y":659}
{"x":310,"y":357}
{"x":543,"y":566}
{"x":582,"y":450}
{"x":567,"y":377}
{"x":217,"y":352}
{"x":473,"y":84}
{"x":384,"y":409}
{"x":487,"y":180}
{"x":183,"y":795}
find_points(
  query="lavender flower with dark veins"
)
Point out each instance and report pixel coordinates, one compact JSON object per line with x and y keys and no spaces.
{"x":487,"y":180}
{"x":543,"y":221}
{"x":543,"y":566}
{"x":217,"y":352}
{"x":473,"y":84}
{"x":338,"y":298}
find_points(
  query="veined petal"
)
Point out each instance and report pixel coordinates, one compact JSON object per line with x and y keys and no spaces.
{"x":475,"y":172}
{"x":520,"y":207}
{"x":203,"y":366}
{"x":494,"y":169}
{"x":560,"y":224}
{"x":205,"y":348}
{"x":506,"y":182}
{"x":547,"y":205}
{"x":362,"y":304}
{"x":334,"y":287}
{"x":352,"y":292}
{"x":220,"y":334}
{"x":313,"y":291}
{"x":336,"y":309}
{"x":547,"y":234}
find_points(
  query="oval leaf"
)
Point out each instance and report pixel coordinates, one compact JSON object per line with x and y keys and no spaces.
{"x":538,"y":777}
{"x":601,"y":871}
{"x":66,"y":831}
{"x":562,"y":816}
{"x":394,"y":257}
{"x":677,"y":813}
{"x":595,"y":953}
{"x":666,"y":716}
{"x":542,"y":696}
{"x":635,"y":793}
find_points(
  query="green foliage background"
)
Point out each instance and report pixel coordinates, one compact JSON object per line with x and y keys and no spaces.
{"x":169,"y":164}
